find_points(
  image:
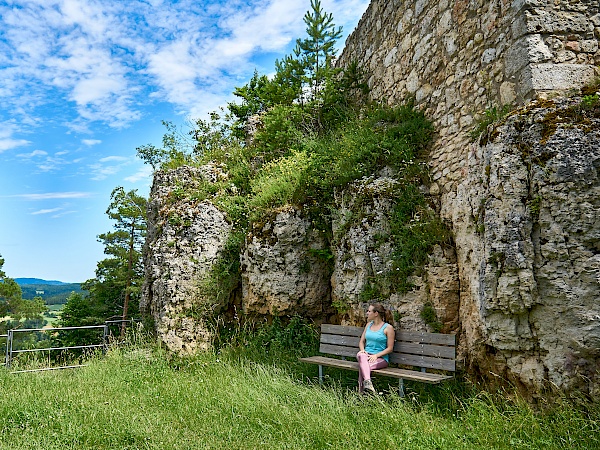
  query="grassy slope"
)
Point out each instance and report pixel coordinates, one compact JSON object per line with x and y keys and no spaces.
{"x":135,"y":399}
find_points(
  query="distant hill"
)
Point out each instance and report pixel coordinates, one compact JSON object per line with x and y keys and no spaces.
{"x":25,"y":281}
{"x":53,"y":292}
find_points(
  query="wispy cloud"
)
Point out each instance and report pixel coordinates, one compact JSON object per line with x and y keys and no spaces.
{"x":33,"y":154}
{"x":7,"y":130}
{"x":46,"y":211}
{"x":113,"y":158}
{"x":107,"y":166}
{"x":62,"y":213}
{"x":145,"y":173}
{"x":54,"y":195}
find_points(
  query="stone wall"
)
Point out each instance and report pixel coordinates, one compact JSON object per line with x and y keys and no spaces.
{"x":521,"y":285}
{"x":458,"y":58}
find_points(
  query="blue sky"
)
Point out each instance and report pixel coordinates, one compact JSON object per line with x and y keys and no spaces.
{"x":85,"y":82}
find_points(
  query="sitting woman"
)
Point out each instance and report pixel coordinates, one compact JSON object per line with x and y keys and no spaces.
{"x":376,"y":343}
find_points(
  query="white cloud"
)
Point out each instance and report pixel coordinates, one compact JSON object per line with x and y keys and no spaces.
{"x":7,"y":141}
{"x":63,"y":213}
{"x":145,"y":173}
{"x":113,"y":158}
{"x":101,"y":170}
{"x":108,"y":57}
{"x":54,"y":195}
{"x":90,"y":142}
{"x":51,"y":163}
{"x":45,"y":211}
{"x":33,"y":154}
{"x":9,"y":144}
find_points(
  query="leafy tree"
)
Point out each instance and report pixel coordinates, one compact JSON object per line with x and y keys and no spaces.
{"x":28,"y":309}
{"x":10,"y":291}
{"x":175,"y":144}
{"x":306,"y":68}
{"x":80,"y":311}
{"x":11,"y":301}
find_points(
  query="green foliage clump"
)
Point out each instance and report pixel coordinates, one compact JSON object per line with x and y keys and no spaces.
{"x":13,"y":304}
{"x":490,"y":116}
{"x":282,"y":341}
{"x":589,"y":101}
{"x":224,"y":274}
{"x":429,"y":316}
{"x":415,"y":230}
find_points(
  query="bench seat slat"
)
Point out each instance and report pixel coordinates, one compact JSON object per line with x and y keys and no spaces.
{"x":431,"y":378}
{"x":395,"y":358}
{"x":327,"y":328}
{"x":423,"y":361}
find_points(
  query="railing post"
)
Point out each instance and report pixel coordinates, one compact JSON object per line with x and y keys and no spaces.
{"x":104,"y":339}
{"x":9,"y":346}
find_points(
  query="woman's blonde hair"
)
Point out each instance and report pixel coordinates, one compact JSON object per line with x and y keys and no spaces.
{"x":384,"y":313}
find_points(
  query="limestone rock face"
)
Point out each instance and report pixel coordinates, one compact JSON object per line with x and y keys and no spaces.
{"x":527,"y":229}
{"x":362,"y":247}
{"x":184,"y":240}
{"x":363,"y":252}
{"x":285,"y":269}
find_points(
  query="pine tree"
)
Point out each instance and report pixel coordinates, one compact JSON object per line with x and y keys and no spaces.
{"x":318,"y":48}
{"x":119,"y":277}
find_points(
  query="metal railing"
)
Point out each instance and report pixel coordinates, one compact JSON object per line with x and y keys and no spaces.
{"x":10,"y":351}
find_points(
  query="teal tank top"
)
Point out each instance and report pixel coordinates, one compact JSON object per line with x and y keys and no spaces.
{"x":376,"y":341}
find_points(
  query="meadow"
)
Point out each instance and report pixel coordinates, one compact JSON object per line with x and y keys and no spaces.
{"x":253,"y":397}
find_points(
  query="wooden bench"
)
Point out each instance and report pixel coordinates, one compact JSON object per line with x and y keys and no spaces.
{"x":421,"y":350}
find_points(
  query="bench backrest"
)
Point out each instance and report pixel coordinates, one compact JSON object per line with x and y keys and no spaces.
{"x":426,"y":350}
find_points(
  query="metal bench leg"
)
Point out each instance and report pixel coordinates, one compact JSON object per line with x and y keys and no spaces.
{"x":320,"y":374}
{"x":401,"y":386}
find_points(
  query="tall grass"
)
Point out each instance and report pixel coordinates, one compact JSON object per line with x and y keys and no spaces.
{"x":139,"y":398}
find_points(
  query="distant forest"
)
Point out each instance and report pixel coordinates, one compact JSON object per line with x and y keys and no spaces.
{"x":53,"y":294}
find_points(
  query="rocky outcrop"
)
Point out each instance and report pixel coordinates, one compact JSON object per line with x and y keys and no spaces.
{"x":285,"y":267}
{"x":184,"y":240}
{"x":363,"y":256}
{"x":527,"y":221}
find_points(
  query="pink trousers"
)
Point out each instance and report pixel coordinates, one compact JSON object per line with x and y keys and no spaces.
{"x":365,"y":367}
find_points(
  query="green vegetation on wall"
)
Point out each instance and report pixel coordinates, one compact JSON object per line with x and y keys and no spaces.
{"x":314,"y":134}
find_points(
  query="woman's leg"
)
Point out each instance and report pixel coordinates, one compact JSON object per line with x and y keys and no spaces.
{"x":365,"y":367}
